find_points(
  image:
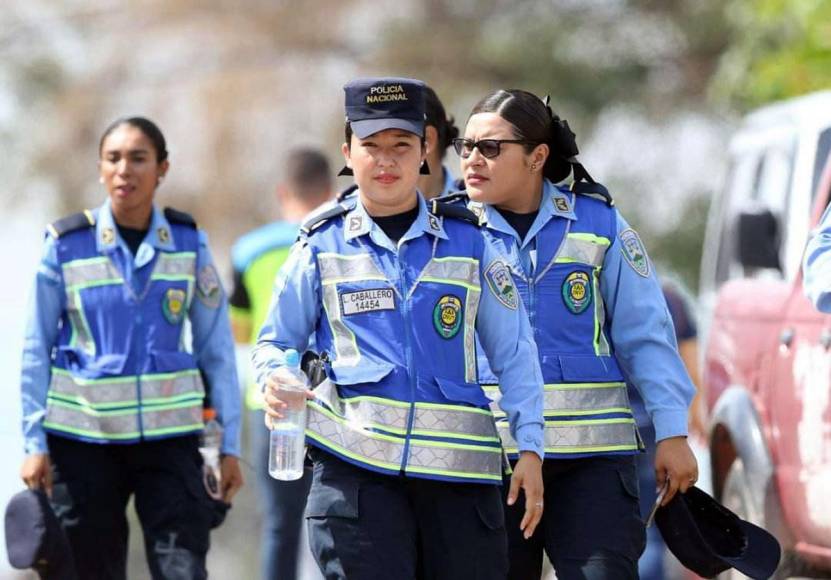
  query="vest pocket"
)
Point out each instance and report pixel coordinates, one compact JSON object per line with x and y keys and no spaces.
{"x":589,"y":368}
{"x":457,"y":392}
{"x":165,"y":361}
{"x":363,"y":373}
{"x":92,"y":367}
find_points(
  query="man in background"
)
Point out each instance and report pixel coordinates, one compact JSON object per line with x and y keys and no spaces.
{"x":257,"y":256}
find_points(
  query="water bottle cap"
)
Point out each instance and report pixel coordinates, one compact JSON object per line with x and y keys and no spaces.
{"x":208,"y":414}
{"x":292,"y":358}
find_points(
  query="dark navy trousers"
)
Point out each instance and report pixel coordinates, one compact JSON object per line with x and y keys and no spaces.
{"x":369,"y":526}
{"x":94,"y":482}
{"x":591,"y":527}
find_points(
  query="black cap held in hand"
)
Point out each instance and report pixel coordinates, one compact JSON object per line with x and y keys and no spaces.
{"x":35,"y":538}
{"x":708,"y":538}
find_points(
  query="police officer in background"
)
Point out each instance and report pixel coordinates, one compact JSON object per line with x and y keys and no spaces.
{"x":407,"y":461}
{"x":257,"y":256}
{"x":599,"y":319}
{"x":112,"y":399}
{"x":439,"y":132}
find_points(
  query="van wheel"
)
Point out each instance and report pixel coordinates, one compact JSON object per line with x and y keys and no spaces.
{"x":737,"y":498}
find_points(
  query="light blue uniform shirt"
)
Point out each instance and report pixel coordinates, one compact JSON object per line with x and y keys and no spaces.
{"x":641,"y":330}
{"x":505,"y":334}
{"x":213,"y":346}
{"x":817,"y":264}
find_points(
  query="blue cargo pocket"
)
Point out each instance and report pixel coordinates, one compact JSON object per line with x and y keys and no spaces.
{"x":467,"y":393}
{"x":589,"y":368}
{"x":333,"y":497}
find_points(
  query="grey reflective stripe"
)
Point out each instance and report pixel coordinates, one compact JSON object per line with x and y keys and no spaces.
{"x":583,"y":248}
{"x":586,"y":436}
{"x":464,"y":271}
{"x":90,"y":272}
{"x":431,"y":419}
{"x":81,"y":334}
{"x":576,"y":399}
{"x":364,"y":446}
{"x":350,"y":436}
{"x":478,"y":463}
{"x":471,"y":309}
{"x":114,"y":425}
{"x":601,"y":344}
{"x":170,"y":419}
{"x":346,"y":347}
{"x":121,"y":391}
{"x":175,"y":265}
{"x":335,"y":268}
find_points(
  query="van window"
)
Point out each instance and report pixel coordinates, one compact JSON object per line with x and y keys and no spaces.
{"x":823,"y":150}
{"x":742,"y":177}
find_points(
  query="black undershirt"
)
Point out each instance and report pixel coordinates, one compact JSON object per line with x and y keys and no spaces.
{"x":132,"y":237}
{"x":521,"y":222}
{"x":397,"y":225}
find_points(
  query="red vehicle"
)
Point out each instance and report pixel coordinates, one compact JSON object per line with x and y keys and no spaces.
{"x":767,"y":360}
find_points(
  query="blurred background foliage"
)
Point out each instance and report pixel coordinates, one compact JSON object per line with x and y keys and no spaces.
{"x":652,"y":88}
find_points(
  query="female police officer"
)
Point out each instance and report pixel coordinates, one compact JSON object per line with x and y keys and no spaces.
{"x":599,"y":319}
{"x":407,"y":460}
{"x":112,"y":400}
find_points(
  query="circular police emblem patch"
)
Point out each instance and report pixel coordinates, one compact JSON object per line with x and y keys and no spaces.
{"x":447,"y":316}
{"x":173,"y":305}
{"x":577,"y":292}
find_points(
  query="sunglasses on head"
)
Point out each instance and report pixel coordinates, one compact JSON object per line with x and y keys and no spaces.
{"x":489,"y":148}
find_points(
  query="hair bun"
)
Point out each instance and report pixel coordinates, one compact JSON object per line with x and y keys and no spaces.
{"x":562,"y":139}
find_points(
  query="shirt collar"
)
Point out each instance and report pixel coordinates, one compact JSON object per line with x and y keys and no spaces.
{"x":357,"y":222}
{"x":554,"y":203}
{"x":159,"y":235}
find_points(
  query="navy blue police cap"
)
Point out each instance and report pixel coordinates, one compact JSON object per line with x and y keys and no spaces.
{"x":35,"y":538}
{"x":708,"y":538}
{"x":378,"y":103}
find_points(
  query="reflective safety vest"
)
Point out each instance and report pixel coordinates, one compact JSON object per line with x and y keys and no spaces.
{"x":587,"y":409}
{"x":402,"y":394}
{"x":119,"y":371}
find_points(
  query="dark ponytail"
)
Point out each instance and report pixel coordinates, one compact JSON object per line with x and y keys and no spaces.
{"x":534,"y":121}
{"x":437,"y":117}
{"x":146,"y":126}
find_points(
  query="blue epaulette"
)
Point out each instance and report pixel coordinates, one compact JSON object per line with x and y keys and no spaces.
{"x":454,"y":197}
{"x":175,"y":216}
{"x":318,"y":219}
{"x":76,"y":221}
{"x":596,"y":190}
{"x":440,"y":208}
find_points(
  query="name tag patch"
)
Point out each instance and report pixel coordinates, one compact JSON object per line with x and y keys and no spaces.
{"x":367,"y":301}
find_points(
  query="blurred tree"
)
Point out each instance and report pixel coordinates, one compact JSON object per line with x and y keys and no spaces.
{"x":778,"y":49}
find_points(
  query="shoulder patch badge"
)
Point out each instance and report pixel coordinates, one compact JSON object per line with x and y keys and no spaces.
{"x":502,"y":284}
{"x":561,"y":204}
{"x":634,"y":252}
{"x":208,"y":289}
{"x":447,"y":316}
{"x":577,"y":292}
{"x":173,"y":305}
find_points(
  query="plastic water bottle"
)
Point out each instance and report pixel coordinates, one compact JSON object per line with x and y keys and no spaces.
{"x":209,"y":445}
{"x":288,"y":435}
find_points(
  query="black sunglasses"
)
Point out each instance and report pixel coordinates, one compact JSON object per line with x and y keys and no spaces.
{"x":489,"y":148}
